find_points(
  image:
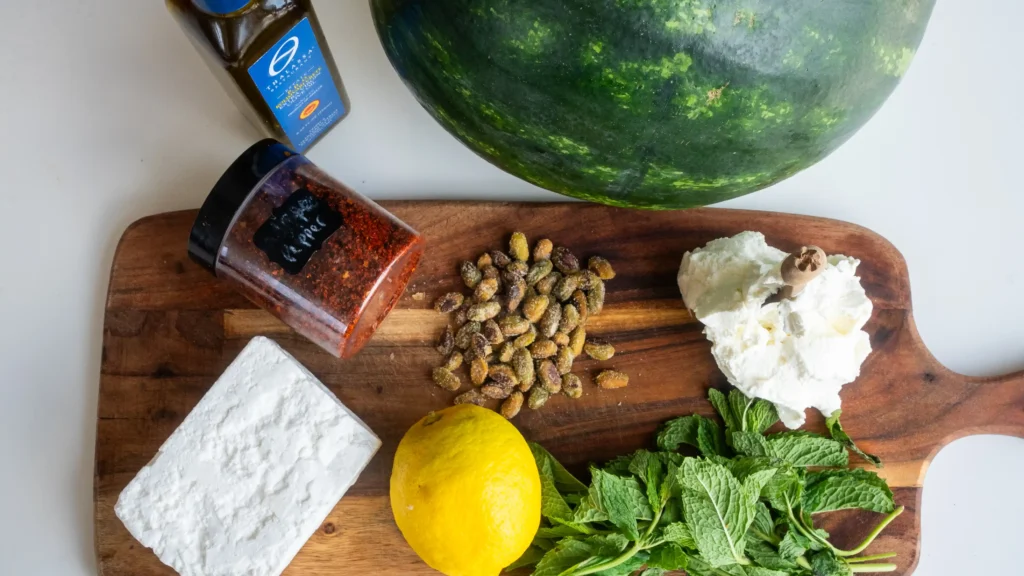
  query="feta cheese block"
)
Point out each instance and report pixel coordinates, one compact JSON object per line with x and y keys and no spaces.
{"x":251,"y":473}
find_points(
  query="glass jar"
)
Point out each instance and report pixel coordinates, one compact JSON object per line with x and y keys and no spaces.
{"x":322,"y":258}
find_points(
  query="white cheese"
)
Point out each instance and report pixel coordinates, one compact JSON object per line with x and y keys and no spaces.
{"x":795,"y":353}
{"x":251,"y":473}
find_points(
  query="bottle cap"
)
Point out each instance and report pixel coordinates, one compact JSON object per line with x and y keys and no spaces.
{"x":228,"y":195}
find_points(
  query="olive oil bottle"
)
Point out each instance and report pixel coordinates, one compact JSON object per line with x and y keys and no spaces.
{"x":273,"y":60}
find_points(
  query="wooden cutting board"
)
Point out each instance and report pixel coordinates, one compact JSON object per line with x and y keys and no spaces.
{"x":171,"y":328}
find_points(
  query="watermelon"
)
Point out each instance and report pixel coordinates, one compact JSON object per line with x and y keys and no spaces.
{"x":652,"y":103}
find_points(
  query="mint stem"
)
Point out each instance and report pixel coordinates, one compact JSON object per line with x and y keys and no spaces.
{"x":773,"y":539}
{"x":873,"y":568}
{"x":874,"y":534}
{"x":611,"y":563}
{"x":870,"y":558}
{"x":637,"y":547}
{"x":808,"y":533}
{"x":654,"y":523}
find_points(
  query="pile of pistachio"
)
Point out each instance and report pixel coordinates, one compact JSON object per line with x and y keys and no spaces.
{"x":524,"y":326}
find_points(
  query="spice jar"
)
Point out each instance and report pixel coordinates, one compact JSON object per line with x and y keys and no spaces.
{"x":325,"y":260}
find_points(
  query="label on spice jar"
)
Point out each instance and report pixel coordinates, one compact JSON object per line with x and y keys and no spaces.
{"x":294,"y":79}
{"x":297,"y":230}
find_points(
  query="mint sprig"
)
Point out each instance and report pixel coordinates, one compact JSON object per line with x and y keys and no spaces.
{"x":835,"y":429}
{"x":744,"y":507}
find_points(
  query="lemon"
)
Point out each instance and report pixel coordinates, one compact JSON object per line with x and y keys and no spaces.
{"x":465,"y":491}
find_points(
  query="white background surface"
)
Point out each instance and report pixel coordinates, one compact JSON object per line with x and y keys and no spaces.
{"x":108,"y":115}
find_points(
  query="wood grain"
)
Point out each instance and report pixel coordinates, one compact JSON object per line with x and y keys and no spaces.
{"x":171,"y":329}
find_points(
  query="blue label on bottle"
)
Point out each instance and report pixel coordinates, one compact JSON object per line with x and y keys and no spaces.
{"x":296,"y":83}
{"x":221,"y":6}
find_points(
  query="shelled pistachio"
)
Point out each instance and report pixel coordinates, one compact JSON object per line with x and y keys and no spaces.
{"x":523,"y":326}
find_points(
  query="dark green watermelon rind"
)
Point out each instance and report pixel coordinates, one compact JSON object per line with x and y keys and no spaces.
{"x":652,"y":103}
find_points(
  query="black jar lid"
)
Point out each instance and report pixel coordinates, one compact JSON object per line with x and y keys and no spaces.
{"x":230,"y":192}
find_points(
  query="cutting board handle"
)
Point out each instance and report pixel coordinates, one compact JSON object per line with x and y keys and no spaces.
{"x":945,"y":406}
{"x":918,"y":406}
{"x":951,"y":405}
{"x":987,"y":406}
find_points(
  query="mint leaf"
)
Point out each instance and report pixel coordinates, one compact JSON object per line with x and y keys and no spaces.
{"x":750,"y":444}
{"x":797,"y":448}
{"x":759,"y":571}
{"x":608,"y":544}
{"x":734,"y":570}
{"x":696,"y":566}
{"x":552,"y":505}
{"x":668,"y":458}
{"x":621,"y":499}
{"x":653,"y":572}
{"x":679,"y":534}
{"x":746,"y":420}
{"x":618,"y":465}
{"x":785,"y":489}
{"x":717,"y":510}
{"x":694,"y":430}
{"x":679,"y":431}
{"x":761,"y":416}
{"x":752,"y":487}
{"x":638,"y":463}
{"x":724,"y":408}
{"x":570,"y":552}
{"x":564,"y":480}
{"x":566,"y":554}
{"x":763,"y":554}
{"x":835,"y":429}
{"x":832,"y":490}
{"x":668,"y":557}
{"x":670,"y":484}
{"x":588,"y":511}
{"x":825,"y":563}
{"x":710,"y":439}
{"x":552,"y":477}
{"x":744,"y":466}
{"x":806,"y":449}
{"x":669,"y":494}
{"x":560,"y":531}
{"x":720,"y":460}
{"x":673,"y":511}
{"x":654,"y":481}
{"x":755,"y":482}
{"x":647,"y":467}
{"x":739,"y":404}
{"x":793,"y":545}
{"x":579,"y":528}
{"x":762,"y":527}
{"x":543,"y":544}
{"x":745,"y":414}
